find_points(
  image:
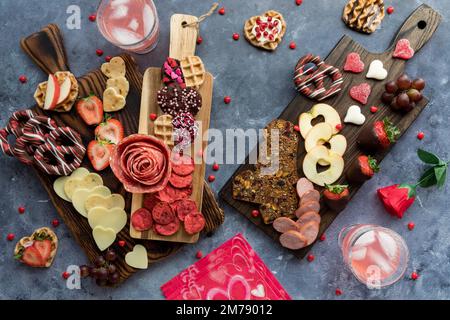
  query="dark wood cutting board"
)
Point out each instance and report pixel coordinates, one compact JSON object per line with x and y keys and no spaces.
{"x":418,"y":29}
{"x":47,"y":50}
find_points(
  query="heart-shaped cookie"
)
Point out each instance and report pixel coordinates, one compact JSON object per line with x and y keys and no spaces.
{"x":103,"y":237}
{"x":265,"y":31}
{"x":112,"y":100}
{"x":361,"y":92}
{"x":354,"y":116}
{"x":137,"y":258}
{"x":109,"y":202}
{"x":37,"y":250}
{"x":353,"y":63}
{"x":115,"y":218}
{"x":114,"y":68}
{"x":121,"y":85}
{"x":377,"y":70}
{"x":403,"y":50}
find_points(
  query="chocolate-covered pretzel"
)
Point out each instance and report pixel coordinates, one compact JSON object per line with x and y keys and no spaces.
{"x":14,"y":127}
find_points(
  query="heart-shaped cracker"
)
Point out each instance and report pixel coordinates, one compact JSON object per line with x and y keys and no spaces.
{"x":103,"y":237}
{"x":38,"y":235}
{"x":114,"y":68}
{"x":58,"y":185}
{"x":115,"y":218}
{"x":113,"y":101}
{"x":109,"y":202}
{"x":354,"y":116}
{"x":377,"y":70}
{"x":137,"y":258}
{"x":81,"y":194}
{"x":87,"y":182}
{"x":121,"y":85}
{"x":251,"y":33}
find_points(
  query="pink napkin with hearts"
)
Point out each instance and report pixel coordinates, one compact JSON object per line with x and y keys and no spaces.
{"x":233,"y":271}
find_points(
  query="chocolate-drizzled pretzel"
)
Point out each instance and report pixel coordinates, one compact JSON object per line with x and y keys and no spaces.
{"x":310,"y":73}
{"x":14,"y":127}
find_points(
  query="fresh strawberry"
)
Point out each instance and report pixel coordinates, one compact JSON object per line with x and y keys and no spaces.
{"x":110,"y":130}
{"x":90,"y":110}
{"x":44,"y":248}
{"x":32,"y":257}
{"x":99,"y":153}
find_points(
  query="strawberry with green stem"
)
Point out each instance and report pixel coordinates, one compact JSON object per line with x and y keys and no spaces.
{"x":336,"y":196}
{"x":110,"y":130}
{"x":362,"y":169}
{"x":378,"y":136}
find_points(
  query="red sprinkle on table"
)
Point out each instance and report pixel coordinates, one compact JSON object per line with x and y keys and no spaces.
{"x":199,"y":254}
{"x":211,"y":178}
{"x":236,"y":36}
{"x":297,"y":128}
{"x":310,"y":258}
{"x":23,"y":79}
{"x":10,"y":236}
{"x":121,"y":243}
{"x":21,"y":209}
{"x":414,"y":276}
{"x":411,"y":226}
{"x":373,"y":109}
{"x":323,"y":237}
{"x":292,"y":45}
{"x":222,"y":11}
{"x":338,"y":292}
{"x":153,"y":116}
{"x":65,"y":275}
{"x":55,"y":223}
{"x":420,"y":135}
{"x":390,"y":10}
{"x":227,"y":99}
{"x":99,"y":52}
{"x":215,"y":167}
{"x":93,"y":17}
{"x":255,"y":213}
{"x":199,"y":40}
{"x":298,"y":2}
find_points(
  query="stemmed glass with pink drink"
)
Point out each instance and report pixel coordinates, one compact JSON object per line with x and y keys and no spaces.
{"x":132,"y":25}
{"x":377,"y":256}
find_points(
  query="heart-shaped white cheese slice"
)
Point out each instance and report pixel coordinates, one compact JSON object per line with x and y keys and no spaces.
{"x":58,"y":185}
{"x":103,"y":237}
{"x":114,"y":218}
{"x":81,"y":194}
{"x":137,"y":258}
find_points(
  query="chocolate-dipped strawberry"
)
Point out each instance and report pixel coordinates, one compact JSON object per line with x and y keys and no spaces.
{"x":362,"y":169}
{"x":336,"y":197}
{"x":378,"y":136}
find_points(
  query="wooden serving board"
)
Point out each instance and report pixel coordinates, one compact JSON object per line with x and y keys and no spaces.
{"x":418,"y":28}
{"x":47,"y":50}
{"x":182,"y":44}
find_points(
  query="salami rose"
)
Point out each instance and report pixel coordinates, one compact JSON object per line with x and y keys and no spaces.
{"x":142,"y":163}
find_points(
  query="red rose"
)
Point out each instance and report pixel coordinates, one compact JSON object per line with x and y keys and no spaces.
{"x":397,"y":198}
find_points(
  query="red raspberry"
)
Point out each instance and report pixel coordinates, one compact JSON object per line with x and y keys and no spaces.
{"x":236,"y":36}
{"x":339,"y":127}
{"x":108,"y":58}
{"x":373,"y":109}
{"x":323,"y":237}
{"x":227,"y":99}
{"x":338,"y":292}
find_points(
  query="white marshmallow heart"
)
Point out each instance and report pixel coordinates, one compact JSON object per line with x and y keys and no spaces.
{"x":354,"y":116}
{"x":377,"y":71}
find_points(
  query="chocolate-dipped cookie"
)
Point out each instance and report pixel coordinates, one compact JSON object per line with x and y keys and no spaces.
{"x":378,"y":136}
{"x":362,"y":169}
{"x":336,"y":197}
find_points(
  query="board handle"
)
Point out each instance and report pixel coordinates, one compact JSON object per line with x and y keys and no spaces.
{"x":46,"y":49}
{"x":419,"y":27}
{"x":183,"y":36}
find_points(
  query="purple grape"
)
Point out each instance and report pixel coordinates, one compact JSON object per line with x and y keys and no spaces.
{"x":112,"y":269}
{"x":414,"y":95}
{"x":101,"y":282}
{"x":418,"y":84}
{"x":403,"y":82}
{"x":110,"y":255}
{"x":394,"y":105}
{"x":387,"y":97}
{"x":99,"y":261}
{"x":409,"y":107}
{"x":102,"y":273}
{"x":391,"y":87}
{"x":84,"y":271}
{"x":114,"y":278}
{"x":403,"y":100}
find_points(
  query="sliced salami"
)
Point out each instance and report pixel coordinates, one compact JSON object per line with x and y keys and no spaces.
{"x":183,"y":165}
{"x":283,"y":224}
{"x":311,"y":195}
{"x":307,"y":217}
{"x":308,"y":206}
{"x":150,"y":201}
{"x":142,"y":220}
{"x":293,"y":240}
{"x":310,"y":230}
{"x":183,"y":207}
{"x":194,"y":223}
{"x":162,"y":213}
{"x":141,"y":163}
{"x":170,"y":194}
{"x":168,"y":229}
{"x":304,"y":185}
{"x":180,"y":182}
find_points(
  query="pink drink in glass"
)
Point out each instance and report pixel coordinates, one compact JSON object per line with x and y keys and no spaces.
{"x":132,"y":25}
{"x":377,"y":256}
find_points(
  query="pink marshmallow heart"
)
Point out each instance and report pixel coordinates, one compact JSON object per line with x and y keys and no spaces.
{"x":403,"y":50}
{"x":361,"y":92}
{"x":353,"y":63}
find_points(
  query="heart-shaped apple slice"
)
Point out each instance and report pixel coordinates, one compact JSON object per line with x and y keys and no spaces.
{"x":330,"y":175}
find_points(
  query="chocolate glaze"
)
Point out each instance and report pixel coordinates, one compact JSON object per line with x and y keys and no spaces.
{"x":368,"y":139}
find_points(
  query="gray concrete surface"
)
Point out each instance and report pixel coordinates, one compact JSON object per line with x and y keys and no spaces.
{"x":260,"y":86}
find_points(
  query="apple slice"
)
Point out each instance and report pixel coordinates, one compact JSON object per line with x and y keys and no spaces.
{"x":52,"y":93}
{"x":338,"y":144}
{"x":329,"y":114}
{"x":318,"y":135}
{"x":64,"y":90}
{"x":329,"y":176}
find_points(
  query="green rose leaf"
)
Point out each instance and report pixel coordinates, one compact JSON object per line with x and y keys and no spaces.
{"x":428,"y":157}
{"x":428,"y":178}
{"x":441,"y":174}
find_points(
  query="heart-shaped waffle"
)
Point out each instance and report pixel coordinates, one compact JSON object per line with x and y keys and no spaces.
{"x":265,"y":31}
{"x":37,"y":250}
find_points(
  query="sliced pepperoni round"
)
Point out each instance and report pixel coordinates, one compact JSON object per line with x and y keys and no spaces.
{"x":307,"y":217}
{"x":183,"y":165}
{"x":293,"y":240}
{"x":283,"y":224}
{"x":183,"y":207}
{"x":162,"y":213}
{"x":180,"y":182}
{"x":194,"y":223}
{"x":150,"y":201}
{"x":308,"y":206}
{"x":170,"y":194}
{"x":141,"y":219}
{"x":168,"y":229}
{"x":310,"y":230}
{"x":304,"y":185}
{"x":311,"y":195}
